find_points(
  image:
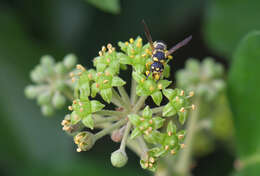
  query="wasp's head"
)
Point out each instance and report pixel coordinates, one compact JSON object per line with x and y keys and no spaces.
{"x":160,"y":45}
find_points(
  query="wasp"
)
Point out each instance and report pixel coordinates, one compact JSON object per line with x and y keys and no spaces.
{"x":160,"y":54}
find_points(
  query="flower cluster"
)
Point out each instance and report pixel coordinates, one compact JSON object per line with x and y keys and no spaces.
{"x":52,"y":85}
{"x":206,"y":79}
{"x":132,"y":122}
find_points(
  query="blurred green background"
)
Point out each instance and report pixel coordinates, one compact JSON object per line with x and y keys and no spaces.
{"x":34,"y":145}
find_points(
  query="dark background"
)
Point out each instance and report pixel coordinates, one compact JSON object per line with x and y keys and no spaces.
{"x":35,"y":145}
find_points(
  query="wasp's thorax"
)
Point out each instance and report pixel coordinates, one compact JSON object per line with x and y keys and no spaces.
{"x":159,"y":45}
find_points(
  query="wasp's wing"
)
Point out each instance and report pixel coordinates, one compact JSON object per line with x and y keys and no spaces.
{"x":148,"y":35}
{"x":179,"y":45}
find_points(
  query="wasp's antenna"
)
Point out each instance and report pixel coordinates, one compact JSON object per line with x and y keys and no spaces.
{"x":148,"y":34}
{"x":179,"y":45}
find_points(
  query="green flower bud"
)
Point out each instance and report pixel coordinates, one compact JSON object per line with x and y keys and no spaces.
{"x":47,"y":110}
{"x":58,"y":100}
{"x":30,"y":91}
{"x":60,"y":85}
{"x":47,"y":60}
{"x":60,"y":68}
{"x":70,"y":61}
{"x":85,"y":141}
{"x":44,"y":98}
{"x":118,"y":158}
{"x":37,"y":75}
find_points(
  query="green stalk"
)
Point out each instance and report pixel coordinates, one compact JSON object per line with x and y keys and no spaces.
{"x":125,"y":136}
{"x":110,"y":113}
{"x":184,"y":159}
{"x":139,"y":104}
{"x":110,"y":128}
{"x":124,"y":96}
{"x":106,"y":119}
{"x":117,"y":100}
{"x":133,"y":91}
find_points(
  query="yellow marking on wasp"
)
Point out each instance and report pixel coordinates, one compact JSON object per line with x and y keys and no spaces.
{"x":157,"y":69}
{"x":155,"y":59}
{"x":157,"y":76}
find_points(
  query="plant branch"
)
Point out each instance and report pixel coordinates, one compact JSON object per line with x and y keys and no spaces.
{"x":143,"y":147}
{"x":133,"y":145}
{"x":117,"y":100}
{"x":133,"y":91}
{"x":110,"y":128}
{"x":139,"y":104}
{"x":124,"y":96}
{"x":106,"y":119}
{"x":184,"y":160}
{"x":110,"y":113}
{"x":125,"y":136}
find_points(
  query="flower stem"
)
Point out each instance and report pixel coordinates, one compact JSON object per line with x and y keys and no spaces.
{"x":125,"y":136}
{"x":106,"y":119}
{"x":117,"y":100}
{"x":143,"y":147}
{"x":133,"y":92}
{"x":124,"y":97}
{"x":110,"y":128}
{"x":133,"y":145}
{"x":157,"y":109}
{"x":110,"y":113}
{"x":184,"y":161}
{"x":139,"y":104}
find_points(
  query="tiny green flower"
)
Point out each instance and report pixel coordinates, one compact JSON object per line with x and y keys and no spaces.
{"x":145,"y":124}
{"x":85,"y":141}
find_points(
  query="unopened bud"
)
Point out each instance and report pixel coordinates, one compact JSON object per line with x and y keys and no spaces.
{"x":118,"y":158}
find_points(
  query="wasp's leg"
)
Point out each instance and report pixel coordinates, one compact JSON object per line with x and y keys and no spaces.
{"x":148,"y":73}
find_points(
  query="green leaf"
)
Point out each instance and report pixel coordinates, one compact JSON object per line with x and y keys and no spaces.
{"x":157,"y":152}
{"x":136,"y":132}
{"x":140,"y":91}
{"x":158,"y":122}
{"x":169,"y":110}
{"x":166,"y":71}
{"x":88,"y":121}
{"x":116,"y":81}
{"x":164,"y":83}
{"x":243,"y":91}
{"x":171,"y":127}
{"x":157,"y":97}
{"x":111,"y":6}
{"x":147,"y":112}
{"x":227,"y":22}
{"x":154,"y":137}
{"x":106,"y":94}
{"x":124,"y":59}
{"x":169,"y":93}
{"x":74,"y":118}
{"x":138,"y":77}
{"x":139,"y":68}
{"x":94,"y":90}
{"x":101,"y":67}
{"x":182,"y":117}
{"x":134,"y":119}
{"x":96,"y":106}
